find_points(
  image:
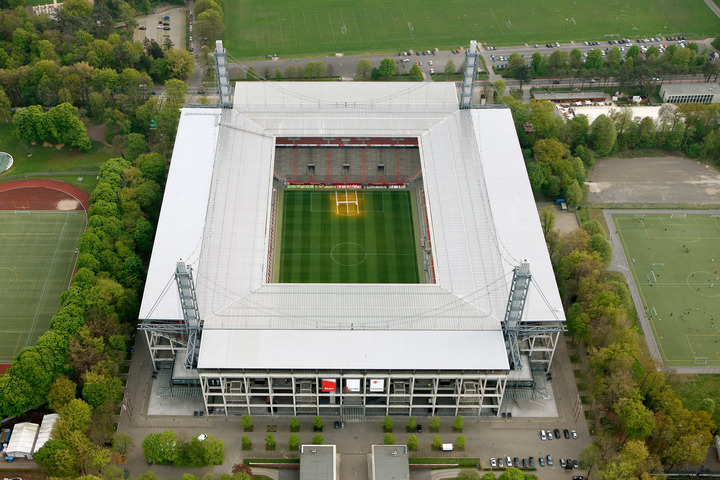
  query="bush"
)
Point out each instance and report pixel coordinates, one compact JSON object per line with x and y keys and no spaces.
{"x":437,"y":442}
{"x":294,"y":441}
{"x":458,"y":423}
{"x":294,"y":425}
{"x":411,"y":424}
{"x":270,"y":442}
{"x":387,"y":424}
{"x":246,"y":442}
{"x":318,"y":439}
{"x":412,"y":443}
{"x":318,"y":424}
{"x":460,"y":442}
{"x":435,"y":424}
{"x":247,"y":423}
{"x":389,"y":439}
{"x":468,"y":474}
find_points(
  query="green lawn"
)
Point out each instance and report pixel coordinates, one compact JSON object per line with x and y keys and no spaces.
{"x":36,"y":265}
{"x":674,"y":262}
{"x":258,"y":28}
{"x":61,"y":164}
{"x":324,"y":243}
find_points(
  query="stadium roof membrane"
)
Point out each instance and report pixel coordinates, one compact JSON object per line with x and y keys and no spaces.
{"x":216,"y":216}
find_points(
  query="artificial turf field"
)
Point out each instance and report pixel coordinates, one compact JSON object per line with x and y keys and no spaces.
{"x":675,"y":263}
{"x":37,"y":258}
{"x":323,"y":242}
{"x":258,"y":28}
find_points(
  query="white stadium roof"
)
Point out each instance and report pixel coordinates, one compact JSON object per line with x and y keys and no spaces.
{"x":215,"y":215}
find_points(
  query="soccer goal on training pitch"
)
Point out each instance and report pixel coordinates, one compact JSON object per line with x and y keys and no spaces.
{"x":346,"y":199}
{"x":653,"y":312}
{"x":651,"y":277}
{"x":658,"y":265}
{"x":678,"y":215}
{"x":701,"y":360}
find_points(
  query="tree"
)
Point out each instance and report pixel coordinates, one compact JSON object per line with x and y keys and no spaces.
{"x":637,"y":420}
{"x":136,"y":144}
{"x":364,"y":66}
{"x":389,"y":439}
{"x":594,"y":60}
{"x":160,"y":448}
{"x":574,"y":193}
{"x":294,"y":424}
{"x":99,"y":389}
{"x":318,"y":423}
{"x":547,"y":220}
{"x":5,"y":105}
{"x":589,"y":457}
{"x":415,"y":72}
{"x":449,"y":67}
{"x":62,"y":391}
{"x":209,"y":24}
{"x":458,"y":423}
{"x":500,"y":87}
{"x":489,"y":476}
{"x":67,"y":128}
{"x":77,"y":415}
{"x":387,"y":67}
{"x":294,"y":441}
{"x":411,"y":424}
{"x":412,"y":443}
{"x":270,"y":441}
{"x":435,"y":424}
{"x":632,"y":52}
{"x":460,"y":441}
{"x":123,"y":443}
{"x":247,"y":423}
{"x":252,"y":74}
{"x":246,"y":442}
{"x":603,"y":135}
{"x":468,"y":474}
{"x":437,"y":442}
{"x":387,"y":424}
{"x":522,"y":74}
{"x":180,"y":63}
{"x":318,"y":439}
{"x":512,"y":474}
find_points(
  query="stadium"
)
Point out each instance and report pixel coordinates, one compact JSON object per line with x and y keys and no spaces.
{"x":353,"y":249}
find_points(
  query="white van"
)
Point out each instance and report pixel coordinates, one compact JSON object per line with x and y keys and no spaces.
{"x":542,"y":435}
{"x":447,"y":447}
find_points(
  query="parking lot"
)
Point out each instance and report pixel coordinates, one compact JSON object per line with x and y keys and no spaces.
{"x":148,"y":26}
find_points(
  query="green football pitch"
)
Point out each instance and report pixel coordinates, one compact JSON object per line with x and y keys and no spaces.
{"x":258,"y":28}
{"x":37,"y":257}
{"x":326,"y":241}
{"x":674,"y":260}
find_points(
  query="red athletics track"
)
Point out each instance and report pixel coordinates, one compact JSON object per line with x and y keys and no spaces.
{"x":41,"y":194}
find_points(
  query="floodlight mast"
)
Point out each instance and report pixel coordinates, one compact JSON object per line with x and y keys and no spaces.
{"x":469,"y":72}
{"x":222,"y":75}
{"x":515,"y":308}
{"x":190,"y":311}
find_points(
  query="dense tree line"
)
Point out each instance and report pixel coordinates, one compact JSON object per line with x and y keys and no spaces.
{"x":636,"y":69}
{"x":558,"y":153}
{"x":82,"y":350}
{"x":640,"y":424}
{"x":166,"y":448}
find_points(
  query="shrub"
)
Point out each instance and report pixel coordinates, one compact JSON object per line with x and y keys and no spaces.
{"x":389,"y":439}
{"x":270,"y":442}
{"x":294,"y":424}
{"x":411,"y":424}
{"x":294,"y":441}
{"x":460,"y":441}
{"x":412,"y":443}
{"x":318,"y":439}
{"x":437,"y":442}
{"x":247,"y":423}
{"x":318,"y":424}
{"x":458,"y":423}
{"x":246,"y":442}
{"x":387,"y":424}
{"x":435,"y":424}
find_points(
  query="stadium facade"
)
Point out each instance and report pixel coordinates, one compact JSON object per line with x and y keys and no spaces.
{"x":213,"y":313}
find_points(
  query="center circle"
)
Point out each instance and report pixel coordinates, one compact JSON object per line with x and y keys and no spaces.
{"x":348,"y":254}
{"x":8,"y":279}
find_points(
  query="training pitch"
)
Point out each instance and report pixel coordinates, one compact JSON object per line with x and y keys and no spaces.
{"x":674,"y":260}
{"x":347,"y":236}
{"x":37,"y":257}
{"x":258,"y":28}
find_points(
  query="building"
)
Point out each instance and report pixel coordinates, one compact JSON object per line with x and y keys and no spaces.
{"x":318,"y":462}
{"x":484,"y":318}
{"x":389,"y":462}
{"x":22,"y":441}
{"x":690,"y":93}
{"x":45,"y":432}
{"x":574,"y":97}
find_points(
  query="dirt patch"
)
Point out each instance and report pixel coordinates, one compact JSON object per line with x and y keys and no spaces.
{"x":97,"y":133}
{"x":565,"y":220}
{"x":653,"y":180}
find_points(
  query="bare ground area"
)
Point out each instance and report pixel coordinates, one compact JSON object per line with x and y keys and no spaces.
{"x":565,"y":220}
{"x":653,"y":180}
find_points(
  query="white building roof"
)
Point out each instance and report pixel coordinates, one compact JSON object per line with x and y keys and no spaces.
{"x":22,"y":440}
{"x":45,"y":433}
{"x":216,"y":216}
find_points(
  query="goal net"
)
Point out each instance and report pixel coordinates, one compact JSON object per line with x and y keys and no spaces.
{"x":651,"y":277}
{"x":346,"y":203}
{"x":678,"y":215}
{"x":658,"y":265}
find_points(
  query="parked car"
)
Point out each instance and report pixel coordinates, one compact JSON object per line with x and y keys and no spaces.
{"x":418,"y":428}
{"x":493,"y":463}
{"x":543,"y":436}
{"x":576,"y":464}
{"x":541,"y":460}
{"x":562,"y":463}
{"x":337,"y":424}
{"x":202,"y":437}
{"x":500,"y":463}
{"x":532,"y":462}
{"x":524,"y":463}
{"x":574,"y":434}
{"x":566,"y":432}
{"x":557,"y":433}
{"x":142,"y":28}
{"x":508,"y":462}
{"x":549,"y":459}
{"x":549,"y":435}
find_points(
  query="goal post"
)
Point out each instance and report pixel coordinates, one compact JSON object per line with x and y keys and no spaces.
{"x":656,"y":266}
{"x":701,"y":360}
{"x":651,"y":277}
{"x":678,"y":215}
{"x":346,"y":200}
